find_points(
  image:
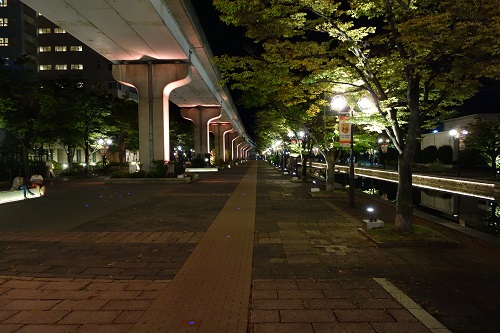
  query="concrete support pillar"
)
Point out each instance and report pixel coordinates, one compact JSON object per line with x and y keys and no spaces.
{"x":220,"y":130}
{"x":240,"y":147}
{"x":230,"y":137}
{"x":201,"y":117}
{"x":154,"y":83}
{"x":236,"y":150}
{"x":244,"y":150}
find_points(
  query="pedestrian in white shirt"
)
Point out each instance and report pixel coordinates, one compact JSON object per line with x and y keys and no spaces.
{"x":37,"y":181}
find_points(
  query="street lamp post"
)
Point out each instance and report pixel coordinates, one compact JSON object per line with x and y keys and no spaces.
{"x":365,"y":104}
{"x":339,"y":104}
{"x":383,"y":149}
{"x":458,"y":137}
{"x":104,"y":143}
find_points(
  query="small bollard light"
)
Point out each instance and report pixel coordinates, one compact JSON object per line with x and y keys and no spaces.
{"x":370,"y":211}
{"x":314,"y":187}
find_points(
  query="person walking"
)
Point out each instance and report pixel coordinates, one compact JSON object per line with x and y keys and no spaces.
{"x":18,"y":184}
{"x":37,"y":181}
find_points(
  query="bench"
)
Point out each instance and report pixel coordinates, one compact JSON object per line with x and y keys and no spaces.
{"x":11,"y":196}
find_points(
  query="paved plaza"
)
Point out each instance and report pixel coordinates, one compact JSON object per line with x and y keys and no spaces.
{"x":240,"y":250}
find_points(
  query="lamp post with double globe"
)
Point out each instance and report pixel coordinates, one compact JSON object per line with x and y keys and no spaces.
{"x":340,"y":104}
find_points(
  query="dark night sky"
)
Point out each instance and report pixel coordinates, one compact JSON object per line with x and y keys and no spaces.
{"x":224,"y":39}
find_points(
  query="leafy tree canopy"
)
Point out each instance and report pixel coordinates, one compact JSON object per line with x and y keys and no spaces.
{"x":484,"y":136}
{"x":416,"y":61}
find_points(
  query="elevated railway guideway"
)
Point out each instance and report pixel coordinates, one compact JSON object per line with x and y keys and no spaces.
{"x":157,"y":46}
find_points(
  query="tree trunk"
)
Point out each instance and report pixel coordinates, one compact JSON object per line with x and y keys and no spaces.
{"x":404,"y":202}
{"x":122,"y":150}
{"x":494,"y":164}
{"x":404,"y":198}
{"x":26,"y":162}
{"x":86,"y":158}
{"x":330,"y":170}
{"x":70,"y":153}
{"x":303,"y":168}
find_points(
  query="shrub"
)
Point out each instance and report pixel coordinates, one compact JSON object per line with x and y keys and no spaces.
{"x":56,"y":165}
{"x":160,"y":170}
{"x":219,"y":162}
{"x":139,"y":174}
{"x":198,"y":162}
{"x":120,"y":174}
{"x":445,"y":154}
{"x":428,"y":155}
{"x":179,"y":168}
{"x":436,"y":167}
{"x":473,"y":157}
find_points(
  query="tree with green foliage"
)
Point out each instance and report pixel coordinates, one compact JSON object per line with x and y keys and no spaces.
{"x":124,"y":123}
{"x":58,"y":116}
{"x":75,"y":115}
{"x":271,"y":83}
{"x":19,"y":104}
{"x":484,"y":136}
{"x":416,"y":60}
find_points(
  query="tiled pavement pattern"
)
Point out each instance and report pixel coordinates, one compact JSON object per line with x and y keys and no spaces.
{"x":312,"y":271}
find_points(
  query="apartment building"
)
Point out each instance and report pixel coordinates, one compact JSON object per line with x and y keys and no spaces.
{"x":18,"y":31}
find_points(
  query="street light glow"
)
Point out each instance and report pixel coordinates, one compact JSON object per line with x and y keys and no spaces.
{"x":338,"y":103}
{"x":366,"y":105}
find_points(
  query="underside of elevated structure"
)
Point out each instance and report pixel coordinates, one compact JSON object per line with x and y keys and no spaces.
{"x":148,"y":32}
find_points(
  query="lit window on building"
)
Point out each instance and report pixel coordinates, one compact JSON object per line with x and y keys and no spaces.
{"x":42,"y":31}
{"x":76,"y":48}
{"x":4,"y":22}
{"x":3,"y":3}
{"x":42,"y":49}
{"x":45,"y":67}
{"x":60,"y":48}
{"x":59,"y":31}
{"x":61,"y":67}
{"x":4,"y":41}
{"x":77,"y":67}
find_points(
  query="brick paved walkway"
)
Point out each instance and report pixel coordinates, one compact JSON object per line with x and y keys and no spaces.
{"x":211,"y":291}
{"x":241,"y":250}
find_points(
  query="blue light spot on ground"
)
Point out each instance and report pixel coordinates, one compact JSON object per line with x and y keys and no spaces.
{"x":191,"y":323}
{"x":86,"y":205}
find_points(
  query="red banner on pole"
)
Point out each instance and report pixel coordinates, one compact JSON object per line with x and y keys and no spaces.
{"x":345,"y":131}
